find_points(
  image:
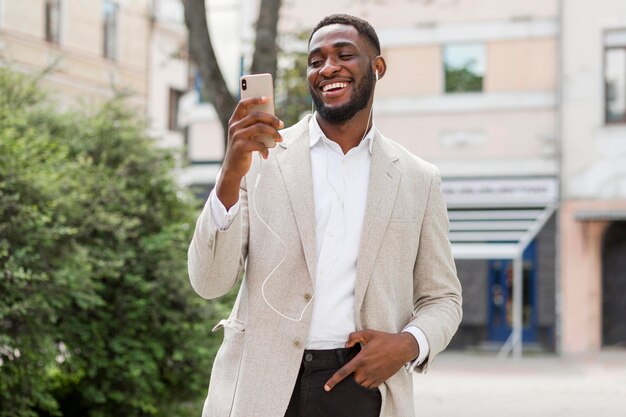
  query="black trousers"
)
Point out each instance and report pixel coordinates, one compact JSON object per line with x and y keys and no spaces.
{"x":346,"y":399}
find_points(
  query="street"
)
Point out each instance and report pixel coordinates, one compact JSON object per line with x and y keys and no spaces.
{"x":480,"y":385}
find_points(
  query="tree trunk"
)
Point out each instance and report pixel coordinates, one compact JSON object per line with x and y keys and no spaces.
{"x":265,"y":48}
{"x":201,"y":49}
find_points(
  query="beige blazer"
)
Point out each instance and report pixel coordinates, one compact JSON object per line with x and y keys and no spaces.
{"x":405,"y":273}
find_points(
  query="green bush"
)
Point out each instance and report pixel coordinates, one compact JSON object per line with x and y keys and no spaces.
{"x":97,"y":317}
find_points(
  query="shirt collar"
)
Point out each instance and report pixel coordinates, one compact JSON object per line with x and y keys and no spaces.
{"x":316,"y":134}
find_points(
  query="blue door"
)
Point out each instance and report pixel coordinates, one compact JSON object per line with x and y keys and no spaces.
{"x":500,"y":297}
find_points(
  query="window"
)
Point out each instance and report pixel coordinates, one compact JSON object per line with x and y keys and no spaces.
{"x":110,"y":11}
{"x":53,"y":20}
{"x":172,"y":119}
{"x":615,"y":76}
{"x":464,"y":67}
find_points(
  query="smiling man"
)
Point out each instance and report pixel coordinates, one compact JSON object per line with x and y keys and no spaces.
{"x":342,"y":238}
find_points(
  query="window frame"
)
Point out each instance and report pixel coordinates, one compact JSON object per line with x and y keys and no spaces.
{"x":444,"y":72}
{"x":174,"y":97}
{"x":51,"y":35}
{"x":606,"y":47}
{"x":110,"y":47}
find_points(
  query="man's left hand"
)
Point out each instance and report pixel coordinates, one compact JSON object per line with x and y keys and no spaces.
{"x":381,"y":356}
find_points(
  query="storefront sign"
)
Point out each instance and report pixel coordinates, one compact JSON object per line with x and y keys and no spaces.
{"x":501,"y":191}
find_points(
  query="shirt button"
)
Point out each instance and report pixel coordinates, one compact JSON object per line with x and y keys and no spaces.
{"x":308,"y":357}
{"x":307,"y":297}
{"x":297,"y":343}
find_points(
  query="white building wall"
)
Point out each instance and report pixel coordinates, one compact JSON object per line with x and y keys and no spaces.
{"x":594,"y":153}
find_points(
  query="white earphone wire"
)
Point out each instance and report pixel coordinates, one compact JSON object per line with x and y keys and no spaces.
{"x":282,"y":242}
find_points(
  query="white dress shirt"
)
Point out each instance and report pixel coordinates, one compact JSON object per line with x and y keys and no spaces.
{"x":340,"y":185}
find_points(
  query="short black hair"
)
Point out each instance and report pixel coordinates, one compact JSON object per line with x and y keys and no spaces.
{"x":362,"y":26}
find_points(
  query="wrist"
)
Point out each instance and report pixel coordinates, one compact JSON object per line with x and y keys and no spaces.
{"x":227,"y":189}
{"x":410,"y":346}
{"x":230,"y":176}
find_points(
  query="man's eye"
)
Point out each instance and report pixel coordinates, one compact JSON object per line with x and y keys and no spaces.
{"x":345,"y":56}
{"x":315,"y":64}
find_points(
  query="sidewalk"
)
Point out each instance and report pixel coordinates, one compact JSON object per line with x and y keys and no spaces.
{"x":480,"y":385}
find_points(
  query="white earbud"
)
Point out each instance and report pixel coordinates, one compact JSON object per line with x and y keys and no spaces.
{"x":376,"y":75}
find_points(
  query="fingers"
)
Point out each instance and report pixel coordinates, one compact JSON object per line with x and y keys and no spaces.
{"x":357,"y":337}
{"x":341,"y":374}
{"x":244,"y":106}
{"x":250,"y":125}
{"x":261,"y":148}
{"x":257,"y":117}
{"x":252,"y":133}
{"x":365,"y":382}
{"x":246,"y":113}
{"x":249,"y":145}
{"x":359,"y":378}
{"x":248,"y":128}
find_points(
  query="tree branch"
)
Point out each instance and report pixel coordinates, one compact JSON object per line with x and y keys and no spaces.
{"x":201,"y":50}
{"x":265,"y":48}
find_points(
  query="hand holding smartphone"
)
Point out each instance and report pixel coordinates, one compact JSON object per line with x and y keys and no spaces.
{"x":260,"y":85}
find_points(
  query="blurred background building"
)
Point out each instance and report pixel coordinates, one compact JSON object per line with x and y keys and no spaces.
{"x":90,"y":51}
{"x":593,"y":175}
{"x":520,"y":104}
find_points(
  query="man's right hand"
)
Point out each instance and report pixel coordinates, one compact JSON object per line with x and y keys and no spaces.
{"x":243,"y":127}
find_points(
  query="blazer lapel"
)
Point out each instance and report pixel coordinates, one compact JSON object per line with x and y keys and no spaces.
{"x":295,"y":166}
{"x":383,"y":186}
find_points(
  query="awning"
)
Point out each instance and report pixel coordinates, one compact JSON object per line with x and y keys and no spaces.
{"x":495,"y":232}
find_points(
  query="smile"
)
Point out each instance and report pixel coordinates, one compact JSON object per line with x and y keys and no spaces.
{"x":334,"y":86}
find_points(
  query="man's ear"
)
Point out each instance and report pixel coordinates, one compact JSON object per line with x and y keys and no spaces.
{"x":380,"y":65}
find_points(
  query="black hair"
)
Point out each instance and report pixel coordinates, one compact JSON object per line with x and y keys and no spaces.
{"x":362,"y":26}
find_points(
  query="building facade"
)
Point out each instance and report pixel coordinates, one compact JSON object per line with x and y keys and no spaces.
{"x":89,"y":52}
{"x":593,"y":176}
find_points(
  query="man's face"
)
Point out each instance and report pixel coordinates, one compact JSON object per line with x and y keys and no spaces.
{"x":339,"y":71}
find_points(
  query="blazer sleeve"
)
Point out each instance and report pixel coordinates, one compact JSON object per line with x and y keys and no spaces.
{"x":436,"y":288}
{"x":216,"y":258}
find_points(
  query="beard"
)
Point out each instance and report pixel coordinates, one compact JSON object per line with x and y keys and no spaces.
{"x":358,"y":101}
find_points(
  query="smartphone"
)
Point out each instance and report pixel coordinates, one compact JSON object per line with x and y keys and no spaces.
{"x":259,"y":85}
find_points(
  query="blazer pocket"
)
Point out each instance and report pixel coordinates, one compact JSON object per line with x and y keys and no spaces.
{"x":225,"y":374}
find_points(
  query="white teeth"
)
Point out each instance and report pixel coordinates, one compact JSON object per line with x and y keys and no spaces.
{"x":334,"y":85}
